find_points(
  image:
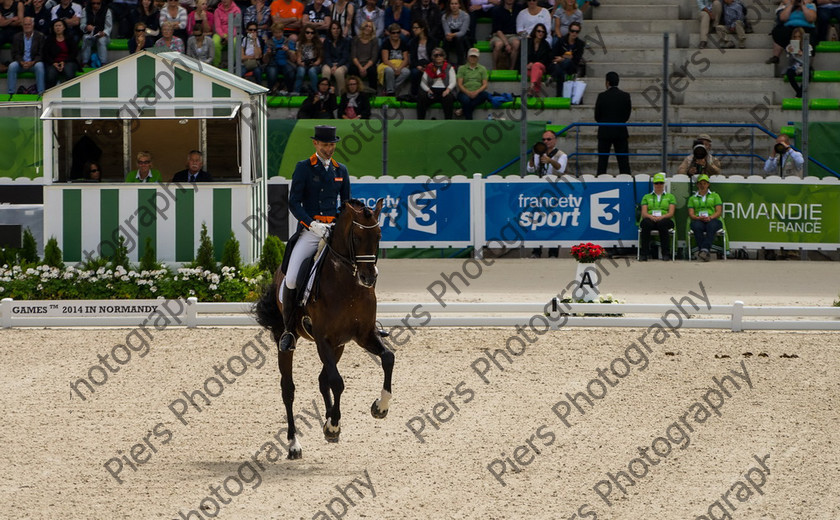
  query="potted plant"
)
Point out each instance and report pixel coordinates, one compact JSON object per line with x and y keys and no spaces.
{"x":588,"y":276}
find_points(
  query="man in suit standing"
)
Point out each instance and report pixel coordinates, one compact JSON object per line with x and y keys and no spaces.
{"x":27,"y":50}
{"x":613,"y":106}
{"x":195,"y":169}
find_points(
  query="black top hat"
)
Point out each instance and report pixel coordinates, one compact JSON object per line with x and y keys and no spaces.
{"x":325,"y":134}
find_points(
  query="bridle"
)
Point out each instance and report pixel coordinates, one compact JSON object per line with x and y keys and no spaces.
{"x":354,"y":260}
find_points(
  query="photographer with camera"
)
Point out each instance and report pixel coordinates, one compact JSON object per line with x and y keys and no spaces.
{"x":700,"y":161}
{"x":784,"y":160}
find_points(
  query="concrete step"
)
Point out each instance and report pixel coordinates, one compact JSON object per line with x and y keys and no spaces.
{"x":756,"y":40}
{"x":636,"y":12}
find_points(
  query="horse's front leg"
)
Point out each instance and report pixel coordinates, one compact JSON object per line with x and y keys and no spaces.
{"x":287,"y":386}
{"x":374,"y":345}
{"x":332,"y":384}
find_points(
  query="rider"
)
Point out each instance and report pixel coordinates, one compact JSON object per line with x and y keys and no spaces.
{"x":320,"y":185}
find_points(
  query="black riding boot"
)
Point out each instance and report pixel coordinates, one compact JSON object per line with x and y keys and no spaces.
{"x":287,"y":340}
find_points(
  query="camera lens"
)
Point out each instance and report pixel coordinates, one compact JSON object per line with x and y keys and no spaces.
{"x":780,"y":148}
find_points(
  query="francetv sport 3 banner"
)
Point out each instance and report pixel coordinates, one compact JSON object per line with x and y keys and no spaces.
{"x":554,"y":212}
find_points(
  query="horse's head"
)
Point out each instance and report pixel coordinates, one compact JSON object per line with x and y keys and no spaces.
{"x":358,"y":227}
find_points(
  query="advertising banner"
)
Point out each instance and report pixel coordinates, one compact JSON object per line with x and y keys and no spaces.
{"x":787,"y":214}
{"x":564,"y":213}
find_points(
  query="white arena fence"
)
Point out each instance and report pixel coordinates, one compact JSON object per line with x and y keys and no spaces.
{"x":191,"y":314}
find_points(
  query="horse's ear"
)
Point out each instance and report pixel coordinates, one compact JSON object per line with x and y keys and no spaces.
{"x":378,"y":208}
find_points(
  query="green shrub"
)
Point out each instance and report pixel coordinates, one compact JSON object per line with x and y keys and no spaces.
{"x":120,"y":255}
{"x":149,"y":261}
{"x":52,"y":254}
{"x":8,"y":256}
{"x":230,"y":255}
{"x":205,"y":256}
{"x":29,"y":251}
{"x":272,"y":254}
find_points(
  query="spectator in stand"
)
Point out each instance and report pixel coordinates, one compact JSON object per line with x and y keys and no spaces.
{"x":310,"y":56}
{"x":11,"y":18}
{"x":317,"y":16}
{"x":528,"y":18}
{"x":259,"y":13}
{"x":472,"y":84}
{"x":658,"y":209}
{"x":120,"y":11}
{"x":281,"y":58}
{"x":456,"y":25}
{"x":144,"y":172}
{"x":220,"y":38}
{"x":700,"y":160}
{"x":336,"y":56}
{"x":564,"y":16}
{"x":793,"y":14}
{"x":141,"y":39}
{"x":96,"y":26}
{"x":364,"y":54}
{"x":704,"y":210}
{"x":539,"y":58}
{"x":709,"y":14}
{"x":505,"y":41}
{"x":344,"y":12}
{"x":252,"y":53}
{"x":27,"y":54}
{"x":60,"y":55}
{"x":371,"y":13}
{"x":568,"y":54}
{"x":36,"y":10}
{"x":613,"y":106}
{"x":149,"y":16}
{"x":320,"y":104}
{"x":429,"y":12}
{"x":168,"y":39}
{"x":826,"y":10}
{"x":398,"y":13}
{"x":68,"y":11}
{"x":420,"y":53}
{"x":200,"y":16}
{"x":796,"y":62}
{"x":479,"y":9}
{"x":200,"y":46}
{"x":194,"y":171}
{"x":393,"y":72}
{"x":173,"y":12}
{"x":732,"y":21}
{"x":355,"y":104}
{"x":438,"y":85}
{"x":784,"y":160}
{"x":290,"y":14}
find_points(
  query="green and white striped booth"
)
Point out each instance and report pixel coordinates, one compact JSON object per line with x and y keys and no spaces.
{"x":149,"y":89}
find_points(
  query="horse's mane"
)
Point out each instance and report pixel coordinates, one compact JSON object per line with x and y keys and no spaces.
{"x":359,"y":206}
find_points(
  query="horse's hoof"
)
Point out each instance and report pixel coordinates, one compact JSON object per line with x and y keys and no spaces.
{"x":331,"y":432}
{"x":376,"y":412}
{"x":295,"y":453}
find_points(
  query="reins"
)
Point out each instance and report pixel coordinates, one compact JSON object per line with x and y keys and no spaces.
{"x":356,"y":259}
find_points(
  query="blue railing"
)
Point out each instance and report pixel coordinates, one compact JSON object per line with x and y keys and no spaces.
{"x":752,"y":155}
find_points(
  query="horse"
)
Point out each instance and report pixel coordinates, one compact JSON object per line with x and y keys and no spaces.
{"x":342,"y":307}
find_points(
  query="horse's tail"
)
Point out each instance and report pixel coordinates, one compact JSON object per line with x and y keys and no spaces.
{"x":267,"y":313}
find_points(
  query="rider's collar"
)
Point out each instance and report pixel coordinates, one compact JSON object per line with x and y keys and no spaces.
{"x":315,"y":159}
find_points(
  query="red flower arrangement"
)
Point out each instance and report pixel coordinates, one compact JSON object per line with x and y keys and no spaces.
{"x":587,"y":253}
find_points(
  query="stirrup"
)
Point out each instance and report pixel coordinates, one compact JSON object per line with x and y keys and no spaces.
{"x":381,"y":330}
{"x":287,"y":342}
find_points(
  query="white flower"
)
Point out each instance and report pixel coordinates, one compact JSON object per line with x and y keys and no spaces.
{"x":31,"y":271}
{"x":40,"y":287}
{"x":153,"y":288}
{"x":175,"y":278}
{"x":124,"y":278}
{"x":192,"y":293}
{"x":93,"y":279}
{"x":2,"y":289}
{"x":213,"y":287}
{"x":100,"y":271}
{"x":214,"y":278}
{"x":68,"y":275}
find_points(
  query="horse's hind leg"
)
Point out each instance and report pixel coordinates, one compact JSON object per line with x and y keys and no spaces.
{"x":374,"y":345}
{"x":332,"y":385}
{"x":287,"y":385}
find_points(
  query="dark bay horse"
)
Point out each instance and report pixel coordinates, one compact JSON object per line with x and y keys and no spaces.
{"x":342,"y":307}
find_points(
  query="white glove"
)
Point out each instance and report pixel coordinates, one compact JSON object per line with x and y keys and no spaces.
{"x":319,"y":228}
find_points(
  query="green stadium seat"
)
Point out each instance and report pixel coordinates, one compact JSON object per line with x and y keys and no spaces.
{"x":277,"y":101}
{"x":826,"y":76}
{"x":789,"y":131}
{"x":118,"y":44}
{"x":828,"y":47}
{"x":504,"y":75}
{"x":814,"y":104}
{"x":483,"y":46}
{"x":296,"y":101}
{"x":25,"y":97}
{"x":391,"y":101}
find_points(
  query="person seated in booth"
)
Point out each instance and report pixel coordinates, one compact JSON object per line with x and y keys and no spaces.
{"x":144,"y":171}
{"x":658,"y":209}
{"x":704,"y":210}
{"x":92,"y":171}
{"x":195,"y":169}
{"x":784,"y":161}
